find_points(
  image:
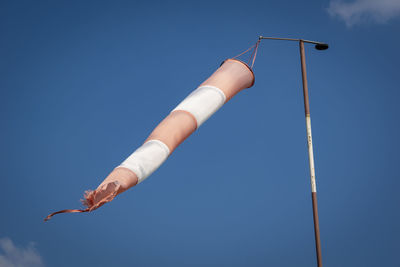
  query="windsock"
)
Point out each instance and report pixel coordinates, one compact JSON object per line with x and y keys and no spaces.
{"x":230,"y":78}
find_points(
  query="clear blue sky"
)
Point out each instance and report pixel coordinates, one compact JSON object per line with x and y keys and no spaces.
{"x":82,"y":84}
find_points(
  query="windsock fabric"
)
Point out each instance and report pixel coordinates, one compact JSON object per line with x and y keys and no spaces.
{"x":193,"y":111}
{"x":230,"y":78}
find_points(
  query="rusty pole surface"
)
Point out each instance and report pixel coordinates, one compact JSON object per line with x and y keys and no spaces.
{"x":310,"y":154}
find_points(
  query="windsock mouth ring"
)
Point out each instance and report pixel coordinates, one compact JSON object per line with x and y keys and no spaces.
{"x":245,"y":64}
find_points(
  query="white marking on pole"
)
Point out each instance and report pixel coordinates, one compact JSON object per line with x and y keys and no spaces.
{"x":310,"y":154}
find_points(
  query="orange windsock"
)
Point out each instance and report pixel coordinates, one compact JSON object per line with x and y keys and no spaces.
{"x":230,"y":78}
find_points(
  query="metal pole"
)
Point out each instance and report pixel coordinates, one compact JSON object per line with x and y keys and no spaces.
{"x":310,"y":154}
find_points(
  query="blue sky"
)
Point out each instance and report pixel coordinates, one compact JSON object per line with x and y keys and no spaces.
{"x":83,"y":84}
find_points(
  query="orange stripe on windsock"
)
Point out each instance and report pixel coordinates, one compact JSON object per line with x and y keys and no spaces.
{"x":174,"y":129}
{"x":232,"y":77}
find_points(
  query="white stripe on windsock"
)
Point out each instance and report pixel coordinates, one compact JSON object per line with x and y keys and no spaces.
{"x":146,"y":159}
{"x":203,"y":102}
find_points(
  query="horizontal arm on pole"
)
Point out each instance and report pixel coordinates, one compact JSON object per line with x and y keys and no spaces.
{"x":289,"y":39}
